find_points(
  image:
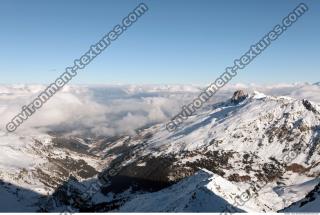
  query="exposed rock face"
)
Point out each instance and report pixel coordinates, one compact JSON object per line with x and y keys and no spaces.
{"x":239,"y":96}
{"x":309,"y":106}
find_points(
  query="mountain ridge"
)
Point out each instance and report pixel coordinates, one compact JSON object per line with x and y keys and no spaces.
{"x":244,"y":143}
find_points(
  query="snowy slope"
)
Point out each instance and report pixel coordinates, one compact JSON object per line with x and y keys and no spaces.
{"x":265,"y":146}
{"x":269,"y":141}
{"x":17,"y":199}
{"x":311,"y":203}
{"x":203,"y":192}
{"x":242,"y":125}
{"x":32,"y":167}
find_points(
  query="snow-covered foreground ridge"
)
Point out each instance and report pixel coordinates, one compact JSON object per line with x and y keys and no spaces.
{"x":202,"y":192}
{"x":258,"y":154}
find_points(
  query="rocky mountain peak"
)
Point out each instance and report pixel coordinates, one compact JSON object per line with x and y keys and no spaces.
{"x":239,"y":96}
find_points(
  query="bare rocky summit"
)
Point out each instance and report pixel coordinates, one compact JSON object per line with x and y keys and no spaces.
{"x":238,"y":96}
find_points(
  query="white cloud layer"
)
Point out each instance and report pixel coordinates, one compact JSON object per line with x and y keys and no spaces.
{"x":119,"y":109}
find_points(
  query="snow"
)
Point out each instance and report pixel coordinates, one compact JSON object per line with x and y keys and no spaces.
{"x":198,"y":193}
{"x":258,"y":95}
{"x":240,"y":129}
{"x":243,"y":129}
{"x":13,"y":150}
{"x":16,"y":200}
{"x":141,"y":164}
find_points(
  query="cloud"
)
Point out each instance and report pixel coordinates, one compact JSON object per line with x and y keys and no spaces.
{"x":106,"y":110}
{"x":119,"y":109}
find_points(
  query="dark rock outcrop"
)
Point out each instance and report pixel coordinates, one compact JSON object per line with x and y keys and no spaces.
{"x":238,"y":96}
{"x":309,"y":106}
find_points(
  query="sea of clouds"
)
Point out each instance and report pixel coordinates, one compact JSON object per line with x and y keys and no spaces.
{"x":120,"y":109}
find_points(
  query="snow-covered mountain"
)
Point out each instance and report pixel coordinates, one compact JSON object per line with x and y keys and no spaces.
{"x":196,"y":193}
{"x":264,"y":143}
{"x":36,"y":165}
{"x":258,"y":154}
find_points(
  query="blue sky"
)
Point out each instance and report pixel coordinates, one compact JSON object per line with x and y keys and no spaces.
{"x":187,"y":42}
